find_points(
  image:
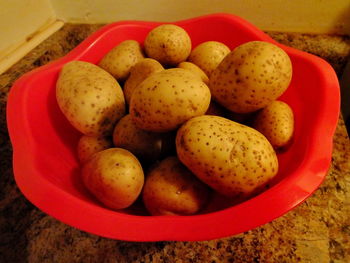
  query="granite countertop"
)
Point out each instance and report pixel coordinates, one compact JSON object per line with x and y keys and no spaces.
{"x":316,"y":231}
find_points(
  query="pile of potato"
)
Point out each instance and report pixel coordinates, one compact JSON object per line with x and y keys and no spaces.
{"x":171,"y":124}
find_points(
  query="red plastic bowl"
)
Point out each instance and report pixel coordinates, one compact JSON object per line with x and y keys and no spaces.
{"x":47,"y":171}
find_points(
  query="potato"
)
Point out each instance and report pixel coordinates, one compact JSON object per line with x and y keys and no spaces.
{"x":276,"y":122}
{"x":90,"y":98}
{"x":114,"y":176}
{"x":208,"y":55}
{"x":249,"y":78}
{"x":233,"y":159}
{"x":171,"y":189}
{"x":122,"y":58}
{"x":144,"y":144}
{"x":89,"y":145}
{"x":138,"y":73}
{"x":166,"y":99}
{"x":169,"y":44}
{"x":194,"y":69}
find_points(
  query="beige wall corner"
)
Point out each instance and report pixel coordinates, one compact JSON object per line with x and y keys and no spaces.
{"x":21,"y":50}
{"x":23,"y":23}
{"x":21,"y":18}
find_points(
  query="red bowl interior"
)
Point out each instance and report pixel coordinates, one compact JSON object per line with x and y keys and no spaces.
{"x":47,"y":171}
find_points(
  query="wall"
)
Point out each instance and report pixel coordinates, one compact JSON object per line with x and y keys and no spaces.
{"x":25,"y":23}
{"x":20,"y":19}
{"x":315,"y":16}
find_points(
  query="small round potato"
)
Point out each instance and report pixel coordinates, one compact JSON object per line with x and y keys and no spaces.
{"x":139,"y":73}
{"x":144,"y":144}
{"x":276,"y":122}
{"x":195,"y":69}
{"x":250,"y":77}
{"x":171,"y":189}
{"x":169,"y":44}
{"x":114,"y":176}
{"x":89,"y":145}
{"x":166,"y":99}
{"x":90,"y":98}
{"x":208,"y":55}
{"x":233,"y":159}
{"x":122,"y":58}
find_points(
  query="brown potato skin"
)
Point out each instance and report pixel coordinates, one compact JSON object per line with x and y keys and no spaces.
{"x":120,"y":59}
{"x":194,"y":69}
{"x":114,"y":176}
{"x":276,"y":122}
{"x":138,"y":73}
{"x":168,"y":44}
{"x":171,"y":189}
{"x":144,"y":144}
{"x":233,"y":159}
{"x":251,"y":76}
{"x":166,"y":99}
{"x":208,"y":55}
{"x":89,"y":145}
{"x":90,"y":98}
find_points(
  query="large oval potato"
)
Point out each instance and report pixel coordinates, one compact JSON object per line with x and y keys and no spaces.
{"x":231,"y":158}
{"x":122,"y":58}
{"x":208,"y":55}
{"x":144,"y":144}
{"x":171,"y":189}
{"x":89,"y":145}
{"x":169,"y":44}
{"x":166,"y":99}
{"x":276,"y":122}
{"x":138,"y":73}
{"x":114,"y":176}
{"x":90,"y":98}
{"x":250,"y":77}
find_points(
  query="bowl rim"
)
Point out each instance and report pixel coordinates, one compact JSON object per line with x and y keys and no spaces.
{"x":115,"y":225}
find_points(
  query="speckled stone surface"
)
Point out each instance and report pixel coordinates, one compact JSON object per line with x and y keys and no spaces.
{"x":316,"y":231}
